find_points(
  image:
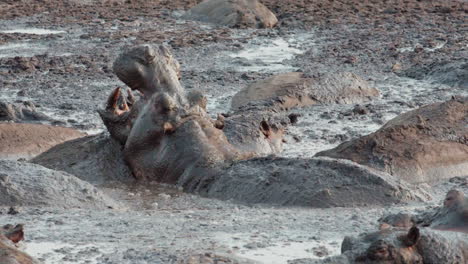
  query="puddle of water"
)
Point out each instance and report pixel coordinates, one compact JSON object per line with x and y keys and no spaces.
{"x":35,"y":31}
{"x":27,"y":50}
{"x":282,"y":251}
{"x":280,"y":254}
{"x":268,"y":58}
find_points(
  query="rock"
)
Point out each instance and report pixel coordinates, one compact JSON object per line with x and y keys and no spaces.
{"x":27,"y":184}
{"x":317,"y":182}
{"x":294,"y":89}
{"x":21,"y":112}
{"x":423,"y":145}
{"x":233,"y":13}
{"x":97,"y":159}
{"x":29,"y":140}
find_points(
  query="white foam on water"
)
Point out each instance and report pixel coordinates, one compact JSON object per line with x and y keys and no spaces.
{"x":35,"y":31}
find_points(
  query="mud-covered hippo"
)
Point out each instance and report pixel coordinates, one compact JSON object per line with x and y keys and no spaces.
{"x":452,"y":216}
{"x":167,"y":134}
{"x":9,"y":254}
{"x":403,"y":246}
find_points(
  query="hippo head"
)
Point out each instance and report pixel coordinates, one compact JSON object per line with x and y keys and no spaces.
{"x":166,"y":134}
{"x":12,"y":233}
{"x":389,"y":246}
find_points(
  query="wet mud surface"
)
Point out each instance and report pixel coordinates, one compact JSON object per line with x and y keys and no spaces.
{"x":58,"y":55}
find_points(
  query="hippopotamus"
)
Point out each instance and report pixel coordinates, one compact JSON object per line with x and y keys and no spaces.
{"x":452,"y":216}
{"x":9,"y":254}
{"x":403,"y":246}
{"x":167,"y":134}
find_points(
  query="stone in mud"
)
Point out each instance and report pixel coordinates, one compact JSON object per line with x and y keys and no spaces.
{"x":9,"y":253}
{"x":317,"y":182}
{"x":295,"y":89}
{"x":27,"y":184}
{"x":97,"y":159}
{"x":400,"y":245}
{"x":25,"y":112}
{"x":29,"y":140}
{"x":423,"y":145}
{"x":233,"y":13}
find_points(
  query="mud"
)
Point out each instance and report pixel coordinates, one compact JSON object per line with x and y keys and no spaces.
{"x":68,"y":76}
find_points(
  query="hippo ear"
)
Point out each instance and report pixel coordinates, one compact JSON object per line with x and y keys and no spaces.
{"x":14,"y":233}
{"x":412,"y":237}
{"x":150,"y":54}
{"x":265,"y":128}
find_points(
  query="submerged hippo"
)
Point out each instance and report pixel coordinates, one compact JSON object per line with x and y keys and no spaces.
{"x":452,"y":216}
{"x":402,"y":246}
{"x":9,"y":254}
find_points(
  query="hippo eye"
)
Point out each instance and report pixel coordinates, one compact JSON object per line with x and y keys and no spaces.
{"x":379,"y":251}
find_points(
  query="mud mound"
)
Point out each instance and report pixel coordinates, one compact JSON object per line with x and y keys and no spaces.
{"x":294,"y":89}
{"x":26,"y":184}
{"x":96,"y":159}
{"x":423,"y":145}
{"x":29,"y":140}
{"x":237,"y":13}
{"x":314,"y":182}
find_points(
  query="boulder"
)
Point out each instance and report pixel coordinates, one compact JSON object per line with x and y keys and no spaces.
{"x":29,"y":140}
{"x":295,"y":89}
{"x":233,"y":13}
{"x":424,"y":145}
{"x":97,"y":159}
{"x":27,"y":184}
